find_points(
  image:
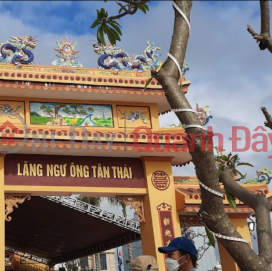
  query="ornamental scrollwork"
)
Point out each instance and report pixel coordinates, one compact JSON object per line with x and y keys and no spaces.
{"x":12,"y":202}
{"x":135,"y":203}
{"x":164,"y":206}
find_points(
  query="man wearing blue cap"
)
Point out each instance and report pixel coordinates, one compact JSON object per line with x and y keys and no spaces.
{"x":181,"y":255}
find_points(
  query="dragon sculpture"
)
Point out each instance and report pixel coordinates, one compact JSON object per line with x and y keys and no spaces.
{"x":18,"y":50}
{"x":66,"y":54}
{"x":112,"y":57}
{"x":264,"y":175}
{"x":204,"y":114}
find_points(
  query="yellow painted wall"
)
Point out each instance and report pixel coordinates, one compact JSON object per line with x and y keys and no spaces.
{"x":151,"y":231}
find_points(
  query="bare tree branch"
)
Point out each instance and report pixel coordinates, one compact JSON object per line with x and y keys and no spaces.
{"x":260,"y":204}
{"x":264,"y":39}
{"x":130,"y":9}
{"x":268,"y":117}
{"x":122,"y":6}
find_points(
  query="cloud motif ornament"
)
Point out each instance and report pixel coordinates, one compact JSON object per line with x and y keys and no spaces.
{"x":66,"y":54}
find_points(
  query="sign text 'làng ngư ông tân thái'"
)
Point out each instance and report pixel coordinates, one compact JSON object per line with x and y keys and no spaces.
{"x":73,"y":170}
{"x":21,"y":169}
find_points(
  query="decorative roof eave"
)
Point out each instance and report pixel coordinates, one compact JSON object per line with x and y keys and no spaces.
{"x":165,"y":112}
{"x":181,"y":165}
{"x":171,"y":133}
{"x":78,"y":145}
{"x":192,"y":198}
{"x":80,"y":76}
{"x":29,"y":85}
{"x":178,"y":152}
{"x":159,"y":136}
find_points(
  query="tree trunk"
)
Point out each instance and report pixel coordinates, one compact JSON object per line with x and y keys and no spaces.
{"x":57,"y":110}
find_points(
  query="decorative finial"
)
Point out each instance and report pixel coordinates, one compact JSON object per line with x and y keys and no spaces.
{"x":66,"y":54}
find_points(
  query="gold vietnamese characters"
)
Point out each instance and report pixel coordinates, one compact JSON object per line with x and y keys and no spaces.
{"x":72,"y":170}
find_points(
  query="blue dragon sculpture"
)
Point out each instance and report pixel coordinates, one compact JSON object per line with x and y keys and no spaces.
{"x":112,"y":57}
{"x":18,"y":50}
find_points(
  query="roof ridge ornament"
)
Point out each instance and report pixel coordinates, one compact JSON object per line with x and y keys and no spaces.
{"x":114,"y":58}
{"x":66,"y":54}
{"x":18,"y":50}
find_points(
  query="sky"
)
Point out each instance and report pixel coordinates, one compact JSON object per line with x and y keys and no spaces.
{"x":227,"y":69}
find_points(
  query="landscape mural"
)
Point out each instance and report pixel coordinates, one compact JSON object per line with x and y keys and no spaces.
{"x":70,"y":114}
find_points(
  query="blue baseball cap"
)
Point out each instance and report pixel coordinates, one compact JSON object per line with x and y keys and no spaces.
{"x":180,"y":243}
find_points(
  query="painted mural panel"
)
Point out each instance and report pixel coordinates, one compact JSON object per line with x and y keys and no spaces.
{"x":133,"y":116}
{"x":12,"y":111}
{"x":70,"y":114}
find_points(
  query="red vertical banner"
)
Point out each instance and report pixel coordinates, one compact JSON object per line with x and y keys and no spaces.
{"x":166,"y":223}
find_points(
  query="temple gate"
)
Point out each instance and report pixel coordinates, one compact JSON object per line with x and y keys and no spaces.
{"x":67,"y":130}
